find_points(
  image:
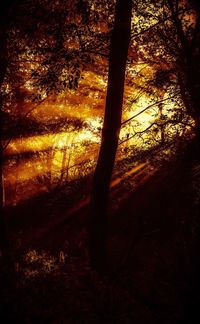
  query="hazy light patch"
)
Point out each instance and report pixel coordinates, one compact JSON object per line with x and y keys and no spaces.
{"x":93,"y":79}
{"x":142,"y":120}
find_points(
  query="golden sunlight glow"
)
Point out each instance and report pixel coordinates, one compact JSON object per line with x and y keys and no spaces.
{"x":36,"y":164}
{"x":58,"y":156}
{"x":61,"y":81}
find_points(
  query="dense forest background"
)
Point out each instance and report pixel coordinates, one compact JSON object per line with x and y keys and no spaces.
{"x":100,"y":161}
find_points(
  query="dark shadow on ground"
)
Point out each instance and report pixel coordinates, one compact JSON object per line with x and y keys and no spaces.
{"x":153,"y":264}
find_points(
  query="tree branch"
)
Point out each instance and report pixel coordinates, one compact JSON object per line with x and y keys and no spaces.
{"x":146,"y":108}
{"x":162,"y":21}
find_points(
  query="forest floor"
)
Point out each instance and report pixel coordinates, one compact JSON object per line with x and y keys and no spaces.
{"x":153,"y":255}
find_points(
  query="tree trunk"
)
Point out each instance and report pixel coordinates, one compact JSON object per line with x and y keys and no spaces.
{"x":110,"y":134}
{"x":3,"y":67}
{"x":7,"y":10}
{"x":189,"y":71}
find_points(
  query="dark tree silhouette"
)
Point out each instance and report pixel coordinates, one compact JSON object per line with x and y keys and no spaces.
{"x":6,"y":13}
{"x":186,"y":37}
{"x":188,"y":60}
{"x":171,"y":45}
{"x":110,"y":134}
